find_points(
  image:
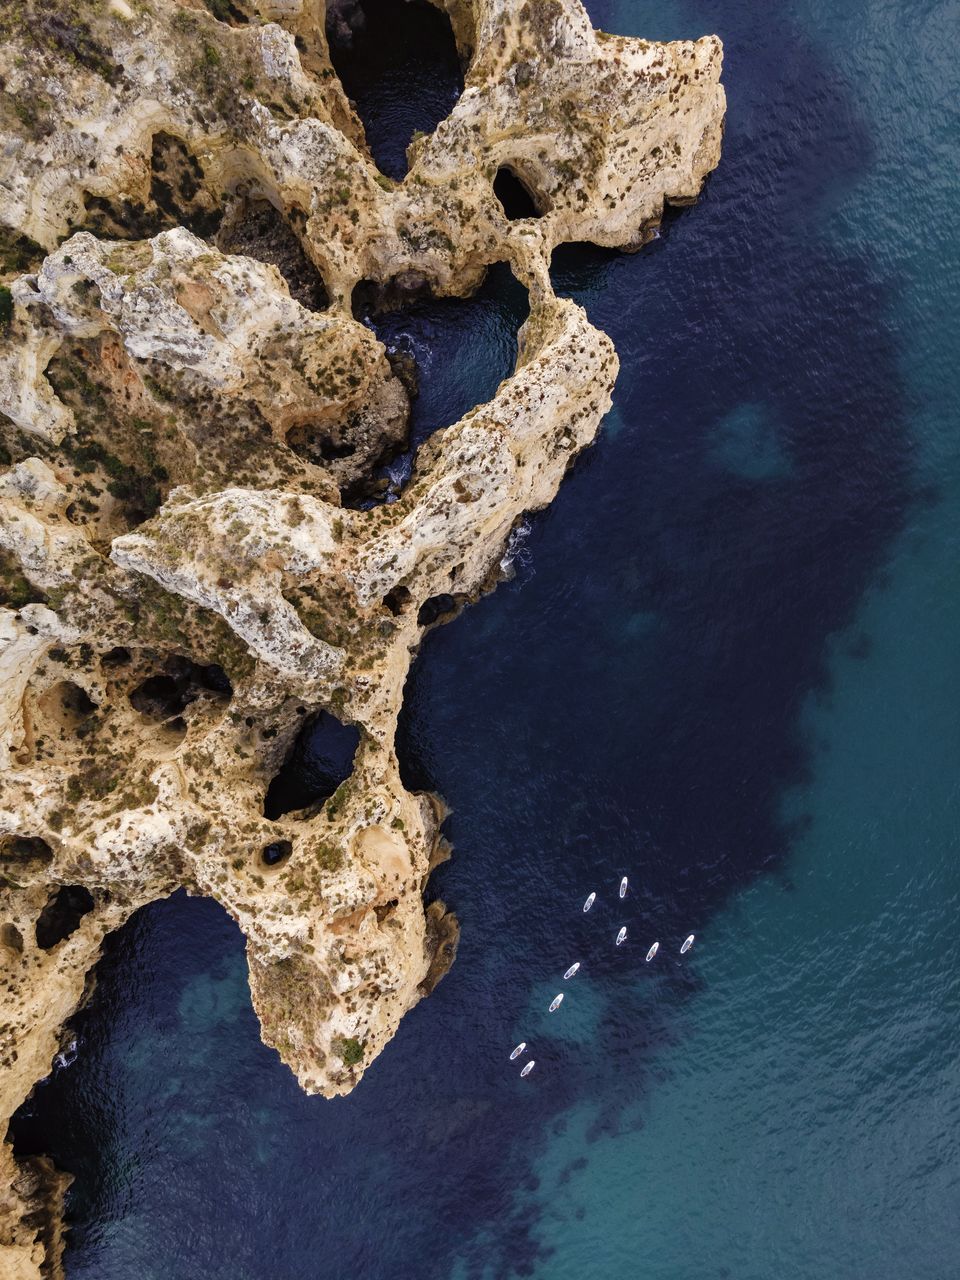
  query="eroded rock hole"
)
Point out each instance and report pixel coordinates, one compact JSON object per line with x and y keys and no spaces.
{"x":318,"y":443}
{"x":253,"y":227}
{"x":159,"y":697}
{"x":62,"y":915}
{"x":399,"y":65}
{"x":115,"y":657}
{"x":398,"y":600}
{"x":68,"y":705}
{"x":516,"y":198}
{"x":227,"y":12}
{"x":76,"y":701}
{"x":435,"y":608}
{"x":276,"y":852}
{"x":319,"y":760}
{"x":25,"y":851}
{"x":374,"y":297}
{"x":165,"y":696}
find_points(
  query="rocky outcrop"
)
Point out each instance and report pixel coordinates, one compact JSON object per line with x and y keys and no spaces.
{"x":188,"y":209}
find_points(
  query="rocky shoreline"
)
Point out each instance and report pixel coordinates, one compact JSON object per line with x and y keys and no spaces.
{"x":188,"y":209}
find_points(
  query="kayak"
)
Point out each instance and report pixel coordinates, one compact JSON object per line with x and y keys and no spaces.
{"x":555,"y":1003}
{"x":589,"y":902}
{"x":623,"y":887}
{"x":518,"y":1050}
{"x":653,"y":951}
{"x":621,"y":936}
{"x":687,"y":945}
{"x":527,"y":1069}
{"x":571,"y":971}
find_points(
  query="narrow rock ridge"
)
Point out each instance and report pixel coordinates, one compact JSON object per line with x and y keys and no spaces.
{"x":183,"y":596}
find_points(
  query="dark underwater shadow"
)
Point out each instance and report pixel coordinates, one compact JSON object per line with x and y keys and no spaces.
{"x":641,"y":690}
{"x":632,"y":702}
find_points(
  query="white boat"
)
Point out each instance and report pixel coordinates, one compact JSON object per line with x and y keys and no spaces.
{"x":653,"y":951}
{"x":571,"y":971}
{"x":623,"y":887}
{"x":556,"y":1002}
{"x":589,"y":902}
{"x":528,"y":1068}
{"x":518,"y":1050}
{"x":687,"y":944}
{"x":621,"y":936}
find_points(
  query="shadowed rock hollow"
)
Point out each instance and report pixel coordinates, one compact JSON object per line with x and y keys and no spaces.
{"x":189,"y":204}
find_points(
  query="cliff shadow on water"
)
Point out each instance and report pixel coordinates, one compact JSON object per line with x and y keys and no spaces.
{"x":629,"y":704}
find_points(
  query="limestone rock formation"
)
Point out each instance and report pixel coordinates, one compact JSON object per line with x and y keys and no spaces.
{"x":187,"y":206}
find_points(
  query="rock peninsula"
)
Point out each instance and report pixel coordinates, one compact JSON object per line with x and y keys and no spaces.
{"x":190,"y":417}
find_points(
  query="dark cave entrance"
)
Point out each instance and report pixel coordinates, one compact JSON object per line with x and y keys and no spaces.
{"x":398,"y":63}
{"x":319,"y":760}
{"x":515,"y":197}
{"x":168,"y":693}
{"x":62,"y":914}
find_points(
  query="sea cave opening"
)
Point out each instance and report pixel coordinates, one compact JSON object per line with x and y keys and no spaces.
{"x":516,"y":198}
{"x":451,"y":354}
{"x":398,"y":63}
{"x":319,"y":760}
{"x":62,"y":914}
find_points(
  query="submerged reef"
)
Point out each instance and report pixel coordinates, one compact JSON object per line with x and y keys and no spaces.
{"x":190,"y":586}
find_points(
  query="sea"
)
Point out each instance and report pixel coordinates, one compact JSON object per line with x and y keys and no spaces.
{"x":726,"y":666}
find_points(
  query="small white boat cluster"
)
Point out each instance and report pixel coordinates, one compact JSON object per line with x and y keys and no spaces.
{"x":621,"y":938}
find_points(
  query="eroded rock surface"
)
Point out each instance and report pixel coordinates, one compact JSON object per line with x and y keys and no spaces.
{"x":187,"y":206}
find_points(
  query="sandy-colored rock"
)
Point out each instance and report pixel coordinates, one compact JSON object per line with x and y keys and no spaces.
{"x":187,"y":208}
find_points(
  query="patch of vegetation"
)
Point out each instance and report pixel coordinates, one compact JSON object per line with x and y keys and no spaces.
{"x":18,"y":252}
{"x":351,"y":1050}
{"x":61,"y":31}
{"x":96,"y":779}
{"x":15,"y":589}
{"x":140,"y":488}
{"x":329,"y":856}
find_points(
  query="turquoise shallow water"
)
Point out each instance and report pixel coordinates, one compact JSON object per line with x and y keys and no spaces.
{"x":806,"y":1120}
{"x":728,"y":665}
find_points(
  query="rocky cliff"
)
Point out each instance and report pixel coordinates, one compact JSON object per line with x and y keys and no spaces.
{"x":187,"y":209}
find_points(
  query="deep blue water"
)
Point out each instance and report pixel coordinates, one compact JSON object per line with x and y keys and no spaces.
{"x":728,"y":666}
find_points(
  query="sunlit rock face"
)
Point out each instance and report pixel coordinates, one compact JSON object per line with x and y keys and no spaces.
{"x":186,"y":606}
